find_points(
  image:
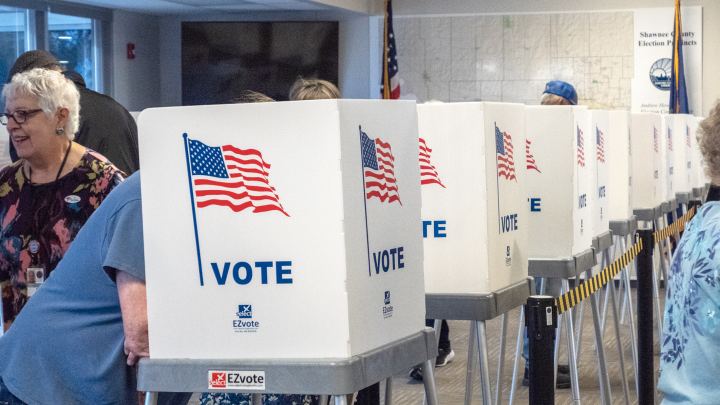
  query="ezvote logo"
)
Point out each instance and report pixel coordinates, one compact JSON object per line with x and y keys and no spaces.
{"x":245,"y":323}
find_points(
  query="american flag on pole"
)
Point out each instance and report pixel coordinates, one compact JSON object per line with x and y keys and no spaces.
{"x":600,"y":145}
{"x":379,"y":169}
{"x":390,"y":80}
{"x":581,"y":148}
{"x":670,"y":147}
{"x":428,"y":174}
{"x":655,"y":139}
{"x":504,"y":153}
{"x":531,"y":165}
{"x":231,"y":177}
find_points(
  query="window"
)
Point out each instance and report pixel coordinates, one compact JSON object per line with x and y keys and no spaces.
{"x":71,"y":41}
{"x":14,"y":39}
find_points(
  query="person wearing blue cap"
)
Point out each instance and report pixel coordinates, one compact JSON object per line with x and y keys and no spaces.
{"x":556,"y":93}
{"x":559,"y":93}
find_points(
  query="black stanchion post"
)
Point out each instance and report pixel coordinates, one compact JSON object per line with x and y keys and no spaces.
{"x":646,"y":366}
{"x":541,"y":322}
{"x":694,"y":203}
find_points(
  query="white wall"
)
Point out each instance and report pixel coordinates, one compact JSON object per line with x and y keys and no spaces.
{"x":136,"y":82}
{"x":711,"y":29}
{"x":354,"y":50}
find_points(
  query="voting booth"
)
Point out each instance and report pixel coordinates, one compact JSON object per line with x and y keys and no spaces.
{"x":5,"y":159}
{"x":670,"y":139}
{"x":281,"y":230}
{"x":559,"y":180}
{"x":473,"y":179}
{"x":646,"y":142}
{"x":698,"y":160}
{"x":619,"y":158}
{"x":599,"y":171}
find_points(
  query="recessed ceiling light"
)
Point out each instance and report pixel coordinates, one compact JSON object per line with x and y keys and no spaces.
{"x":64,"y":62}
{"x":64,"y":37}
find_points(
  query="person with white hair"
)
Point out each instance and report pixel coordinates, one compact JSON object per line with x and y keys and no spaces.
{"x":49,"y":193}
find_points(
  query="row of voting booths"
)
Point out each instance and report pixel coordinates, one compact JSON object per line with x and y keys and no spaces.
{"x":298,"y":247}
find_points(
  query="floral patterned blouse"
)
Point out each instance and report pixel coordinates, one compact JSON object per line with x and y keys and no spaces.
{"x":47,"y":217}
{"x":690,"y":361}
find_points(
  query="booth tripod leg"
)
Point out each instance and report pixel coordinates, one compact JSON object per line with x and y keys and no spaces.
{"x":429,"y":382}
{"x":501,"y":360}
{"x":600,"y":347}
{"x":436,"y":326}
{"x":484,"y":362}
{"x":572,"y":354}
{"x":470,"y":363}
{"x":323,"y":399}
{"x":151,"y":398}
{"x":631,"y":324}
{"x":518,"y":348}
{"x":577,"y":313}
{"x":388,"y":391}
{"x":341,"y":399}
{"x":611,"y":290}
{"x":256,"y":399}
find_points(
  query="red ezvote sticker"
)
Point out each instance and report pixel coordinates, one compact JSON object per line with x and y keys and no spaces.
{"x":218,"y":380}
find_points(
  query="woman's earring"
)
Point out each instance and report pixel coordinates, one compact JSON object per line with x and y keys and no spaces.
{"x":59,"y":131}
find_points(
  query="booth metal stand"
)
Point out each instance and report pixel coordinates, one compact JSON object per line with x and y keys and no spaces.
{"x":601,"y":245}
{"x":479,"y":308}
{"x":564,"y":269}
{"x":622,"y":229}
{"x":332,"y":376}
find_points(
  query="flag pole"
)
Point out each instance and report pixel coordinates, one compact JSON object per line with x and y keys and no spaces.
{"x":367,"y":233}
{"x":497,"y":177}
{"x":192,"y":201}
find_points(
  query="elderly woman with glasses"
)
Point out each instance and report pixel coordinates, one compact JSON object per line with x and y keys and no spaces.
{"x":50,"y":192}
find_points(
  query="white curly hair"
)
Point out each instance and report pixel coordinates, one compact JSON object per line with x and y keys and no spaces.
{"x":53,"y":91}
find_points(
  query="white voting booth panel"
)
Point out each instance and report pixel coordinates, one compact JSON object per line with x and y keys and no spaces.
{"x":5,"y":159}
{"x":646,"y":140}
{"x":698,"y":160}
{"x":560,"y":214}
{"x":474,"y":218}
{"x":684,"y":156}
{"x":291,"y":260}
{"x":599,"y":196}
{"x":667,"y":174}
{"x":135,"y":115}
{"x":619,"y":158}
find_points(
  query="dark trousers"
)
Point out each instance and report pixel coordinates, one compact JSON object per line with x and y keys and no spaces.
{"x":444,"y":339}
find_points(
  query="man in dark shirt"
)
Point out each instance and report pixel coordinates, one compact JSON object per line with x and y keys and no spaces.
{"x":105,"y":126}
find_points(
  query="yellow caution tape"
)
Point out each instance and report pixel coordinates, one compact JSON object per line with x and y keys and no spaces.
{"x":677,"y":226}
{"x":584,"y":290}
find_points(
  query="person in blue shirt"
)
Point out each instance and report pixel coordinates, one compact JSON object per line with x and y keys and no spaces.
{"x":78,"y":339}
{"x":690,"y":343}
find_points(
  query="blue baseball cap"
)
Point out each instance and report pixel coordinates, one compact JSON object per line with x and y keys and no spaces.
{"x":562,"y":89}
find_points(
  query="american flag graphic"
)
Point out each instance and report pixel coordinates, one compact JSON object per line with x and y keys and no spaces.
{"x":580,"y":147}
{"x":688,"y":137}
{"x":504,"y":152}
{"x":531,"y":165}
{"x":428,"y":174}
{"x":379,"y":167}
{"x":670,"y":147}
{"x":390,"y":82}
{"x":600,"y":146}
{"x":655,"y":139}
{"x":231,"y":177}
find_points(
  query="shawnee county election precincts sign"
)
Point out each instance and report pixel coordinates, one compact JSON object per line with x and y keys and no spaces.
{"x":653,"y":58}
{"x":281,"y":230}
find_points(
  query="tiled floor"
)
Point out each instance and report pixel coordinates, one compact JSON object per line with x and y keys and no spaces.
{"x":450,"y":380}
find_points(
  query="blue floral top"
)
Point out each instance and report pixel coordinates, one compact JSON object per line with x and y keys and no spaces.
{"x":690,"y":362}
